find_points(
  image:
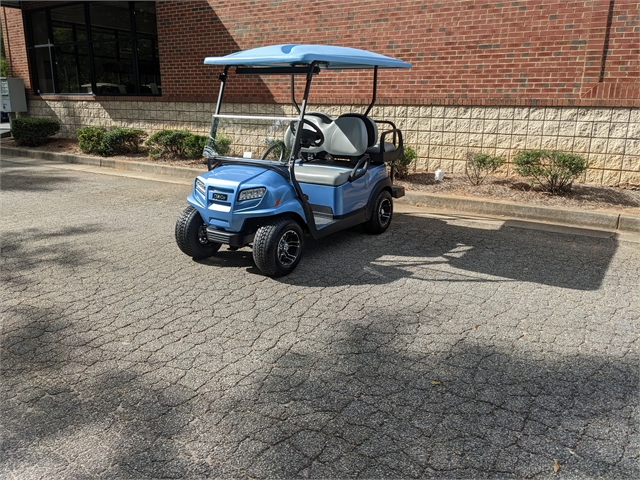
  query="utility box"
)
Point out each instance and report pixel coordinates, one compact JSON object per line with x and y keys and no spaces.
{"x":13,"y":95}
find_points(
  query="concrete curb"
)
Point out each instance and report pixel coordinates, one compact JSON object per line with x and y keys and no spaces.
{"x":176,"y":172}
{"x":579,"y":218}
{"x":609,"y":221}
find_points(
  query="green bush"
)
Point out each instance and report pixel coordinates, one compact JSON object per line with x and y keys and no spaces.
{"x":167,"y":144}
{"x":183,"y":144}
{"x":193,"y":145}
{"x":277,"y":148}
{"x":90,"y":139}
{"x":32,"y":132}
{"x":555,"y":171}
{"x":403,"y":163}
{"x":117,"y":141}
{"x":222,"y":144}
{"x":479,"y":165}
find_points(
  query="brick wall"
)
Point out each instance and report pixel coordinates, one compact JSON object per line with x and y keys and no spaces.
{"x":14,"y":44}
{"x":492,"y":76}
{"x":531,"y":52}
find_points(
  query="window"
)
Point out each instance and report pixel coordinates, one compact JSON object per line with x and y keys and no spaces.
{"x":104,"y":48}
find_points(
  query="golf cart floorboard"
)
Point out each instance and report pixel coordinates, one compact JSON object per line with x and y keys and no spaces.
{"x":323,"y":220}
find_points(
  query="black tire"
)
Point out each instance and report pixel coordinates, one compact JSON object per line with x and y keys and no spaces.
{"x":382,"y":214}
{"x":191,"y":235}
{"x":277,"y":247}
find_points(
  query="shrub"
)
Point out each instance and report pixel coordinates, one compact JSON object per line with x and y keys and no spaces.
{"x":118,"y":141}
{"x":219,"y":146}
{"x":277,"y":147}
{"x":555,"y":171}
{"x":32,"y":132}
{"x":183,"y":144}
{"x":479,"y":165}
{"x":402,"y":164}
{"x":167,"y":143}
{"x":90,"y":139}
{"x":222,"y":144}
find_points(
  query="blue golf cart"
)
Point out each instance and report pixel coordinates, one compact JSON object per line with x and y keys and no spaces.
{"x":279,"y":174}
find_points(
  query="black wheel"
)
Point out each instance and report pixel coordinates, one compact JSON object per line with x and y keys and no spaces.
{"x":277,"y":247}
{"x":191,"y":235}
{"x":382,"y":214}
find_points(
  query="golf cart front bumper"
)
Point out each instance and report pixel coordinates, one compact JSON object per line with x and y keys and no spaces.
{"x":229,"y":238}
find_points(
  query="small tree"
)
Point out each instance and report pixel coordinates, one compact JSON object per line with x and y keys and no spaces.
{"x":555,"y":171}
{"x":479,"y":165}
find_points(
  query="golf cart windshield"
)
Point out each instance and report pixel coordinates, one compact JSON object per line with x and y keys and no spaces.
{"x":250,"y":137}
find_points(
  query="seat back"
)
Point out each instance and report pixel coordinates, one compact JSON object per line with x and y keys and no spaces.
{"x":348,"y":138}
{"x":372,"y":128}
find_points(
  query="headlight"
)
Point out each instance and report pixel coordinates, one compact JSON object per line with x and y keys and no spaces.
{"x":200,"y":188}
{"x":252,"y":194}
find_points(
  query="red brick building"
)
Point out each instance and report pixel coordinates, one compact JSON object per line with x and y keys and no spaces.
{"x":496,"y":76}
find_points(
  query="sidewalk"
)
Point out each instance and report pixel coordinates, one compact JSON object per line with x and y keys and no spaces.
{"x":611,"y":221}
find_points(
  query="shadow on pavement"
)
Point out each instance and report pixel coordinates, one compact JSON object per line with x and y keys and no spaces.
{"x":366,"y":407}
{"x":423,"y":248}
{"x":434,"y":250}
{"x":68,"y":410}
{"x":15,"y":179}
{"x":51,"y":247}
{"x":375,"y":402}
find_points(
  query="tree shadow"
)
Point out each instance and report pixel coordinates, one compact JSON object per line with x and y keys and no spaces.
{"x":376,"y":403}
{"x":51,"y":247}
{"x":14,"y":178}
{"x":70,"y":411}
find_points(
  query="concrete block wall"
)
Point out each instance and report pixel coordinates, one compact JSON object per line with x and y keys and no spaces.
{"x":609,"y":137}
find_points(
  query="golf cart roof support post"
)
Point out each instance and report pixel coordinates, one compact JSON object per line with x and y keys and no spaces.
{"x":293,"y":93}
{"x":223,"y":81}
{"x":311,"y":224}
{"x":375,"y":90}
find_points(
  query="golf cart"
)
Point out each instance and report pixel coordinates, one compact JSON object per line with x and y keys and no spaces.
{"x":274,"y":178}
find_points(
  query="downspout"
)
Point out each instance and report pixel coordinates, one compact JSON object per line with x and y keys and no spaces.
{"x":605,"y":46}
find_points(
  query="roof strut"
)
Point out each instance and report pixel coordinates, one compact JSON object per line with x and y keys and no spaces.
{"x":375,"y":88}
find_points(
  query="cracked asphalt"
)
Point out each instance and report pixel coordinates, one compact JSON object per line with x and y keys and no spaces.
{"x":449,"y":347}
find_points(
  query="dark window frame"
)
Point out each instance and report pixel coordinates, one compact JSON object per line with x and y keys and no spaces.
{"x":132,"y":38}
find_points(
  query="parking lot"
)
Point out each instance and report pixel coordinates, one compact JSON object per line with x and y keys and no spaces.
{"x":448,"y":347}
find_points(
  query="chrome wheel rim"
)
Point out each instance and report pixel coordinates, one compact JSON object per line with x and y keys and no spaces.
{"x":384,"y":212}
{"x":288,"y":248}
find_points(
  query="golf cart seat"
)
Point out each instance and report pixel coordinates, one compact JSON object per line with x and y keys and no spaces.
{"x":344,"y":137}
{"x":390,"y":150}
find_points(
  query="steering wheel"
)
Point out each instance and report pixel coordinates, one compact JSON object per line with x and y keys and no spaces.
{"x":363,"y":165}
{"x":275,"y":145}
{"x":308,"y":139}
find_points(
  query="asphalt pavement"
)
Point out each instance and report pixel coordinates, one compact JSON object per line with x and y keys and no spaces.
{"x":449,"y":347}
